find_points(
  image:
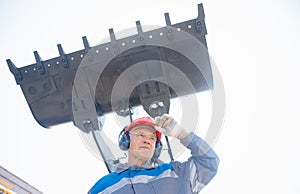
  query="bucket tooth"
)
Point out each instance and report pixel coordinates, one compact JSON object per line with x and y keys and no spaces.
{"x":39,"y":63}
{"x":139,"y":27}
{"x":169,"y":27}
{"x":167,"y":18}
{"x":199,"y":22}
{"x":140,"y":32}
{"x":86,"y":44}
{"x":112,"y":35}
{"x":15,"y":71}
{"x":62,"y":56}
{"x":114,"y":43}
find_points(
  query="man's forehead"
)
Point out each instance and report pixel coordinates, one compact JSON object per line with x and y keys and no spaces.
{"x":147,"y":128}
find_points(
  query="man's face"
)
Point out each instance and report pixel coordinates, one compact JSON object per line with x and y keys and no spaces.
{"x":142,"y":142}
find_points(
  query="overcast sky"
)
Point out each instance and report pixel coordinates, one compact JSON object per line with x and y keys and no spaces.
{"x":255,"y":45}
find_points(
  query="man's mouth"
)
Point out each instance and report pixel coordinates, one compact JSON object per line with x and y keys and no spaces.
{"x":144,"y":147}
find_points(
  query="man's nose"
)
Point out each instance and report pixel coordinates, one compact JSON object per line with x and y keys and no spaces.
{"x":147,"y":140}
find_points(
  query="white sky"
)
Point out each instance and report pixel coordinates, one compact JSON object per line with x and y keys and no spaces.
{"x":254,"y":44}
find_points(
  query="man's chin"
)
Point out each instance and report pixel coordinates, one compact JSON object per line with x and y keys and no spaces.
{"x":145,"y":154}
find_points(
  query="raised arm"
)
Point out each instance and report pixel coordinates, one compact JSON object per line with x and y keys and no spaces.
{"x":202,"y":166}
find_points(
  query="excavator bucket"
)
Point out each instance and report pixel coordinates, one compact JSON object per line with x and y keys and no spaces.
{"x":50,"y":89}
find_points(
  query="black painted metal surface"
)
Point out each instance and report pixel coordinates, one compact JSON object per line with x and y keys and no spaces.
{"x":47,"y":85}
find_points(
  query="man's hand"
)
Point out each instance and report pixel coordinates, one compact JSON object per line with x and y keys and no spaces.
{"x":168,"y":126}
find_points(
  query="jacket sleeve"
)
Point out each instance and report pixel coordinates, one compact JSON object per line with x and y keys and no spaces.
{"x":201,"y":167}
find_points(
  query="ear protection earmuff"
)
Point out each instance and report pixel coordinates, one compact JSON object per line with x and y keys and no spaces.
{"x":124,"y":143}
{"x":158,"y":148}
{"x":124,"y":140}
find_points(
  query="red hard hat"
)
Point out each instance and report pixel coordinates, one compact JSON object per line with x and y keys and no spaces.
{"x":144,"y":121}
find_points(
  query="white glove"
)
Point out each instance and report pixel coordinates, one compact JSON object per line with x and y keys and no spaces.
{"x":168,"y":126}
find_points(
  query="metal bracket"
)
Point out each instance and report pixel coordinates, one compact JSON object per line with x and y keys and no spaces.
{"x":154,"y":91}
{"x":109,"y":159}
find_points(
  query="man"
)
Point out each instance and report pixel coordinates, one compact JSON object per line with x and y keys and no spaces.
{"x":142,"y":139}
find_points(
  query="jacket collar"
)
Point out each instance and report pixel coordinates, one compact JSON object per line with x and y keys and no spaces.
{"x":123,"y":167}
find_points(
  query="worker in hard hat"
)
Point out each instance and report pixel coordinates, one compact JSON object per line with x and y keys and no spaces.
{"x":142,"y":139}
